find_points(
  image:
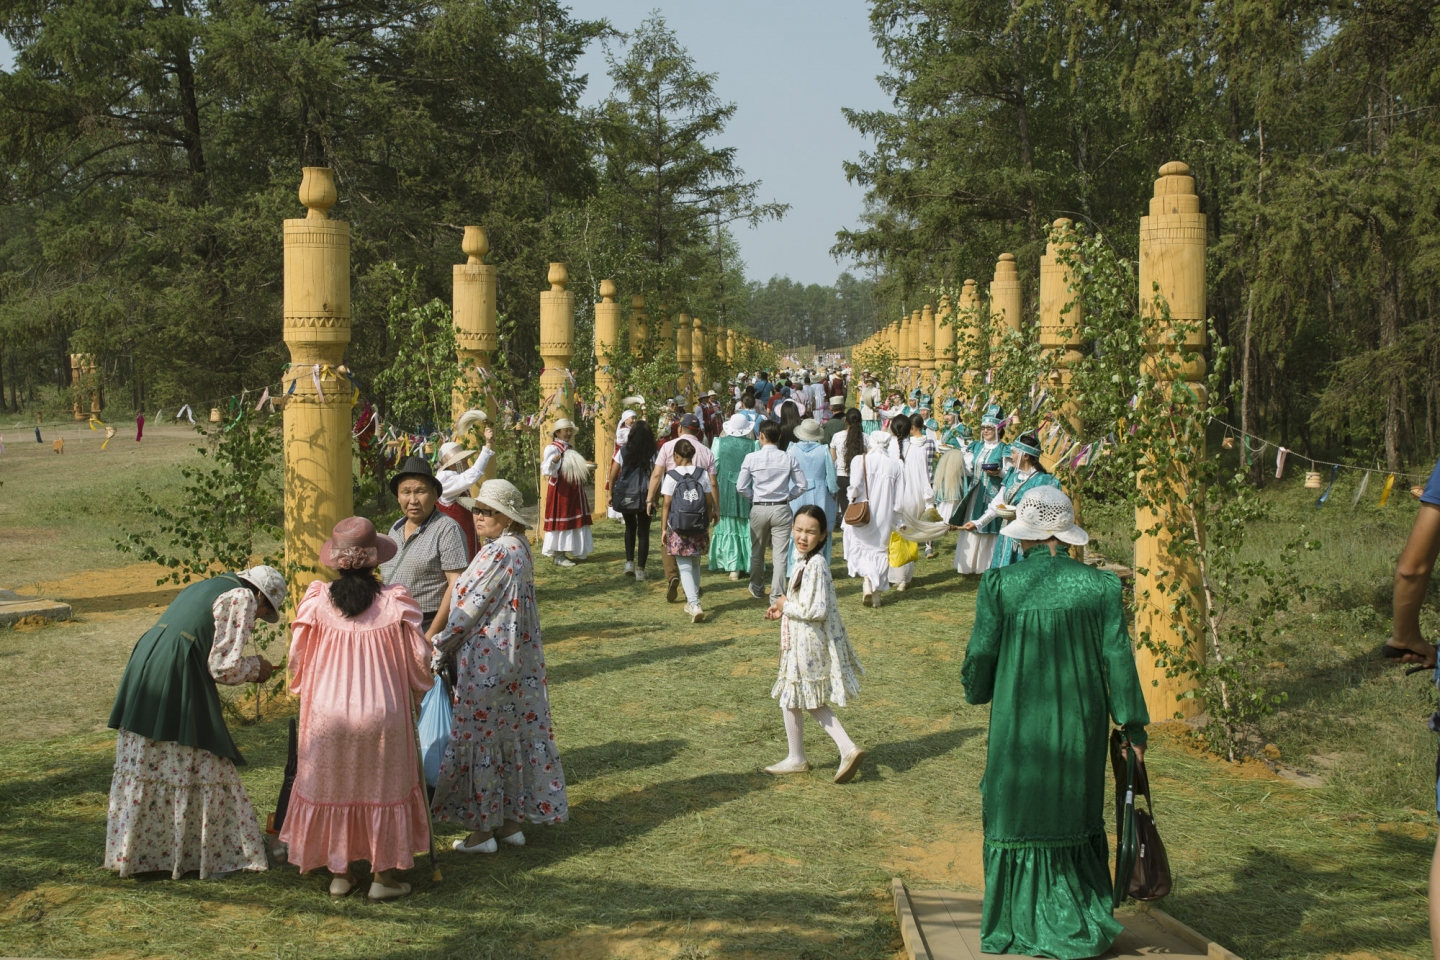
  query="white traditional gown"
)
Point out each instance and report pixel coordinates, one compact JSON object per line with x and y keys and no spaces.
{"x":878,"y":482}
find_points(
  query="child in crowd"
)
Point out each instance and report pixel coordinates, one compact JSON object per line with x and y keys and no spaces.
{"x":817,"y":664}
{"x":689,"y":510}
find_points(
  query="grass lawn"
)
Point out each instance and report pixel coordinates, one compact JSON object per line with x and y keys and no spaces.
{"x":678,"y":846}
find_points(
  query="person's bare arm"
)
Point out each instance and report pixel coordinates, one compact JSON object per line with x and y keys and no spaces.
{"x":652,"y":497}
{"x":1412,"y":578}
{"x":443,"y":614}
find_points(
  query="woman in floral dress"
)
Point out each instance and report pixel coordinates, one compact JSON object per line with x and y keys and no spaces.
{"x":501,"y":768}
{"x":817,"y":663}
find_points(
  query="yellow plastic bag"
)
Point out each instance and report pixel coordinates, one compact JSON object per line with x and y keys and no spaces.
{"x":902,"y":551}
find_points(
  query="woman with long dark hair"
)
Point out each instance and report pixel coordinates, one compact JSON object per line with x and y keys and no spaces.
{"x":846,"y":446}
{"x":356,"y":659}
{"x":789,"y":420}
{"x":633,"y":463}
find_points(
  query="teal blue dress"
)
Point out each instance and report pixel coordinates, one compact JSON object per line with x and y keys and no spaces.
{"x":1007,"y":551}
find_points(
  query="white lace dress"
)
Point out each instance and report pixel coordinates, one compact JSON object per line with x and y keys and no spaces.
{"x":817,"y":663}
{"x":175,"y":808}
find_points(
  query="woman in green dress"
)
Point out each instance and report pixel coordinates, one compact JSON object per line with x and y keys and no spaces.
{"x":730,"y":545}
{"x":1051,"y":654}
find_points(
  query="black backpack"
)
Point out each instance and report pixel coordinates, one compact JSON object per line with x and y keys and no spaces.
{"x":689,"y":514}
{"x":631,"y":489}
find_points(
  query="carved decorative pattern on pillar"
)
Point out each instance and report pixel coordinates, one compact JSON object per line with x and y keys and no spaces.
{"x":476,"y":337}
{"x":970,"y":322}
{"x":697,"y":357}
{"x":944,"y":350}
{"x":557,"y":346}
{"x":639,"y":327}
{"x":1005,"y":294}
{"x":1060,"y":328}
{"x":607,"y":414}
{"x":317,"y":329}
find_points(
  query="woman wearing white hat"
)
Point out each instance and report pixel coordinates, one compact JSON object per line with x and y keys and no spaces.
{"x":1051,"y":652}
{"x":454,"y":483}
{"x":501,"y":768}
{"x":567,"y":507}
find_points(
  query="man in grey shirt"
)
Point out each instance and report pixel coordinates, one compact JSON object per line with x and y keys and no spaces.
{"x":432,"y":551}
{"x":770,"y":478}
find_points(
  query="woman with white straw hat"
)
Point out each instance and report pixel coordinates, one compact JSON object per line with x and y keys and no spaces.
{"x":567,"y":507}
{"x":1051,"y":652}
{"x":501,"y":768}
{"x":454,"y":483}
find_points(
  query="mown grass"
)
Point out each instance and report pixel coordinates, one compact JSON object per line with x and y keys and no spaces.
{"x":679,"y":847}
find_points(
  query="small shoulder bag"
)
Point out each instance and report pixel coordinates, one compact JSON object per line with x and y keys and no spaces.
{"x":858,"y":514}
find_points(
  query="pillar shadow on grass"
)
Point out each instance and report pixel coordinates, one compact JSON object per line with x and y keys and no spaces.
{"x":587,"y":763}
{"x":581,"y":669}
{"x":901,"y":755}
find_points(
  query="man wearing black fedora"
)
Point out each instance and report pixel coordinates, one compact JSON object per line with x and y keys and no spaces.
{"x":432,"y":552}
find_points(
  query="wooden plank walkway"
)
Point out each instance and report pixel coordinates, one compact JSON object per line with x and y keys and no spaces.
{"x":945,"y":925}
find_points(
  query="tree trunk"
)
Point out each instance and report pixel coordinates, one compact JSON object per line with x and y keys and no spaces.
{"x":1390,"y":338}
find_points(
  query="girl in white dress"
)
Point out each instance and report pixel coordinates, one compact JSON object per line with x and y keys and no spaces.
{"x":817,"y":663}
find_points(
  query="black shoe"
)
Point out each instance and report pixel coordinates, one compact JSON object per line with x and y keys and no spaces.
{"x":673,"y":592}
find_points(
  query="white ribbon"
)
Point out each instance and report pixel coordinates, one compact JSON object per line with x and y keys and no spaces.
{"x":185,"y":412}
{"x":1280,"y":463}
{"x":315,"y":373}
{"x":263,"y":397}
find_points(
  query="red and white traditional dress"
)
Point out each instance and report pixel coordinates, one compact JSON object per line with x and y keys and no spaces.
{"x":567,"y":508}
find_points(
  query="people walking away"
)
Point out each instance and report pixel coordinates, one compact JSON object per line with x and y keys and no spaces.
{"x":358,"y":662}
{"x":1023,"y":475}
{"x":919,"y":457}
{"x":769,"y":478}
{"x":688,"y":512}
{"x":709,"y":412}
{"x":1051,"y":652}
{"x":846,"y":445}
{"x":631,"y":472}
{"x":789,"y":420}
{"x":704,"y":460}
{"x":869,"y":403}
{"x":622,"y":433}
{"x":501,"y":768}
{"x":567,"y":507}
{"x":730,"y":545}
{"x":763,"y":389}
{"x":454,"y":483}
{"x":817,"y":663}
{"x":984,"y":468}
{"x":813,"y":457}
{"x":875,"y":478}
{"x":176,"y":802}
{"x":432,"y":546}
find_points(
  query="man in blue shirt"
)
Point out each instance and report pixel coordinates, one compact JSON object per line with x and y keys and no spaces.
{"x":763,"y":388}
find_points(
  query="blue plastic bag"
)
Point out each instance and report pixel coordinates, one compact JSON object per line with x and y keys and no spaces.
{"x":434,"y":728}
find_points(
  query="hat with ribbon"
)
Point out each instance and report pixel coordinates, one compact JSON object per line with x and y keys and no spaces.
{"x":354,"y":545}
{"x":993,"y":417}
{"x":1026,"y":443}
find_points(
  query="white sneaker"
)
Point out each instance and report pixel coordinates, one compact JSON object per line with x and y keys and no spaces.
{"x":696,"y":614}
{"x":563,"y":561}
{"x":629,"y":566}
{"x":640,"y":573}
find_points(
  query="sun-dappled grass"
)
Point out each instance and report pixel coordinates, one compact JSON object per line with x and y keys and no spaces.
{"x":679,"y":846}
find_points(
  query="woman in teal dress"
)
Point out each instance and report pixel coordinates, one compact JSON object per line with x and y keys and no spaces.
{"x":730,"y":544}
{"x":813,"y":456}
{"x":984,"y":471}
{"x":1023,"y":475}
{"x":1051,"y":654}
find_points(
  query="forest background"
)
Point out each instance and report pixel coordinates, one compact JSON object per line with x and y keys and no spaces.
{"x":149,"y":151}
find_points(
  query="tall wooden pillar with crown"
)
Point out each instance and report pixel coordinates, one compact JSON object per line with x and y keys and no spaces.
{"x":317,"y":394}
{"x":1172,"y":257}
{"x":557,"y":346}
{"x":607,"y":408}
{"x":925,"y":335}
{"x":970,"y":331}
{"x":639,"y":328}
{"x":697,"y":358}
{"x":476,"y":337}
{"x":683,"y":332}
{"x":1061,"y":316}
{"x":1005,"y":297}
{"x":944,"y":350}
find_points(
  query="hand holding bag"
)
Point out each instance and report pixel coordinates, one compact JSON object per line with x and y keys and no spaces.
{"x":434,"y":727}
{"x":1142,"y":868}
{"x":858,"y":514}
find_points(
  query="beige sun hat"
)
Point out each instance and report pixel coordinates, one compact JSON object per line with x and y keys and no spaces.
{"x":269,"y":582}
{"x":1043,"y":513}
{"x":451,"y":452}
{"x":810,"y":430}
{"x":498,"y":495}
{"x":564,"y":423}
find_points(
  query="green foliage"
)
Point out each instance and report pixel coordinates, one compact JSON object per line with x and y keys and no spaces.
{"x":424,"y":366}
{"x":230,"y":508}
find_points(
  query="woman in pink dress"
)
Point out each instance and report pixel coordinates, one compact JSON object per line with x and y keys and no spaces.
{"x":357,"y":660}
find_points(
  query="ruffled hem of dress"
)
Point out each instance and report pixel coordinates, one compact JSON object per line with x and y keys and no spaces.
{"x":730,"y":546}
{"x":481,"y":785}
{"x":578,"y":543}
{"x":809,"y":694}
{"x":335,"y":835}
{"x":1048,"y":899}
{"x":160,"y":810}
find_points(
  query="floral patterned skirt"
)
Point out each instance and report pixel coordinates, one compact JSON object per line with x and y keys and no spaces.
{"x":686,"y":545}
{"x":176,"y":808}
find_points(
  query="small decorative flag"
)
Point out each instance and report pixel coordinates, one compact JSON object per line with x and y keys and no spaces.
{"x":1326,"y":495}
{"x":263,"y":397}
{"x":37,"y":436}
{"x":185,"y":412}
{"x":109,"y":432}
{"x":315,"y":374}
{"x":1280,"y":463}
{"x":1360,"y":491}
{"x":1385,"y":490}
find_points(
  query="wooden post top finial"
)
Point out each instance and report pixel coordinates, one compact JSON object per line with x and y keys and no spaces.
{"x":559,"y":276}
{"x":607,"y":291}
{"x":475,"y":244}
{"x":317,"y":192}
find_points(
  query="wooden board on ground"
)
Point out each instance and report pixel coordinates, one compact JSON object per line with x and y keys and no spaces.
{"x":945,"y":925}
{"x":14,"y":608}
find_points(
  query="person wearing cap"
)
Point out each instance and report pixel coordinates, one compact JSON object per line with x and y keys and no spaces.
{"x":567,"y":507}
{"x":454,"y":482}
{"x":501,"y":768}
{"x":869,"y":403}
{"x":704,"y":461}
{"x":1051,"y":653}
{"x":770,"y":478}
{"x":984,"y":473}
{"x":432,"y":546}
{"x":176,"y":802}
{"x":730,"y":546}
{"x":813,"y":457}
{"x":1023,"y":474}
{"x":358,"y":662}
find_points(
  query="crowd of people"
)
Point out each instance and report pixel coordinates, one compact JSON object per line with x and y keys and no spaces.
{"x":446,"y":598}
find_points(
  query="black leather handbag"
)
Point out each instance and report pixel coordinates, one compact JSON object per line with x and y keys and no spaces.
{"x":1142,"y":869}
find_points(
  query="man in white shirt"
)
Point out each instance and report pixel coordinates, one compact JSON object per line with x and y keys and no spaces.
{"x":770,"y":478}
{"x":703,"y":461}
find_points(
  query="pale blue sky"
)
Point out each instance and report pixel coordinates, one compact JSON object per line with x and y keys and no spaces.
{"x":789,"y":66}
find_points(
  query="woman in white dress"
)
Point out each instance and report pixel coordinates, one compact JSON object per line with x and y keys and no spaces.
{"x":875,"y":478}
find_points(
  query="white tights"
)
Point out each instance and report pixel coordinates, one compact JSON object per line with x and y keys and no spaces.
{"x":795,"y":731}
